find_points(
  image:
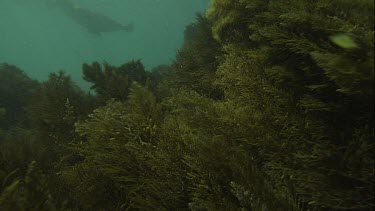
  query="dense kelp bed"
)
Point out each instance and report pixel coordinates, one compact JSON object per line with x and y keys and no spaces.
{"x":269,"y":105}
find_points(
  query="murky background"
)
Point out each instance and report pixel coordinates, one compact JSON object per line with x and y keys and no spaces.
{"x":39,"y":38}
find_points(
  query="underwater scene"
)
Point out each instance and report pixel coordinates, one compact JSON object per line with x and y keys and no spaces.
{"x":248,"y":105}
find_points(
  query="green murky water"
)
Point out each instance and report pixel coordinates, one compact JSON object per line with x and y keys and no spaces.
{"x":40,"y":37}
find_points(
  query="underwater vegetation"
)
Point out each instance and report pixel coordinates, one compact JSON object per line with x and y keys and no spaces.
{"x":269,"y":105}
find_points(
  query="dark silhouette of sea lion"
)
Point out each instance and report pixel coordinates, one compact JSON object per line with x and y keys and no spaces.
{"x":93,"y":22}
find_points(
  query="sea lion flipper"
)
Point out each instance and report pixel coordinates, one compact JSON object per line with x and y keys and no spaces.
{"x":129,"y":27}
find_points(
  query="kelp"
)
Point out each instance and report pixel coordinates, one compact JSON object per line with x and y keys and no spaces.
{"x":267,"y":106}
